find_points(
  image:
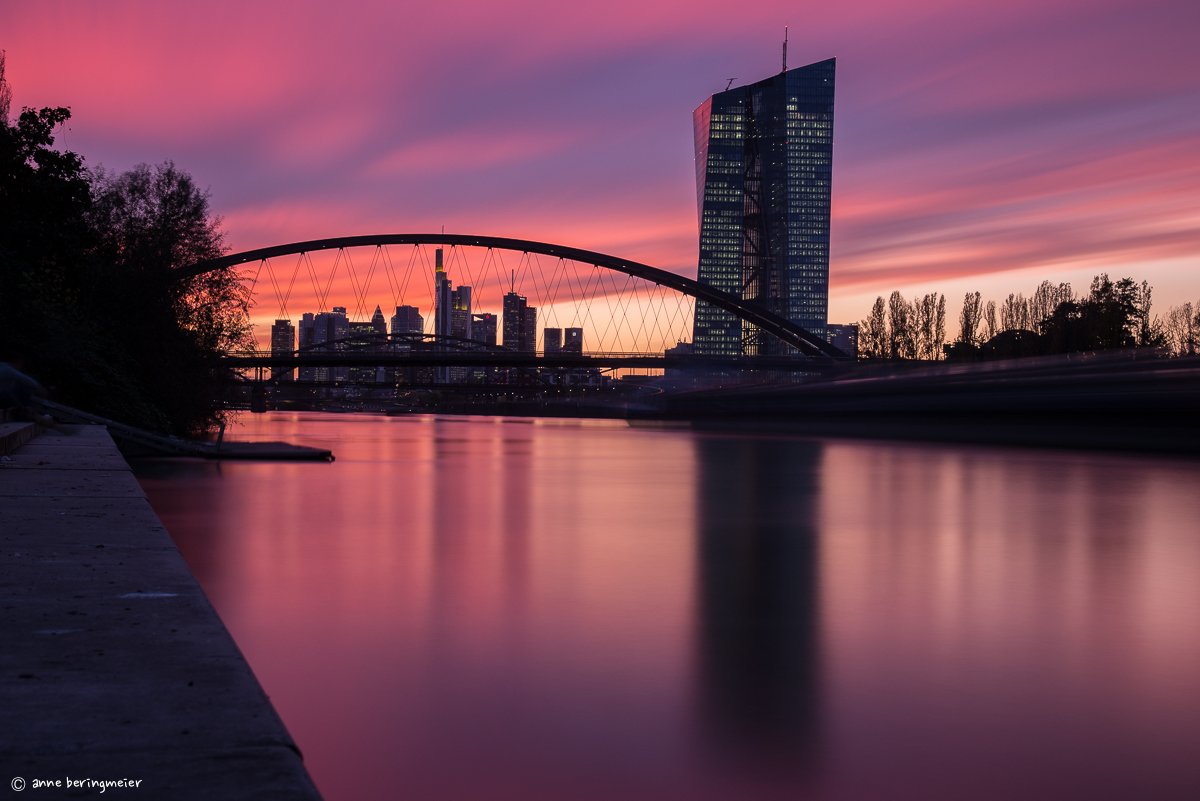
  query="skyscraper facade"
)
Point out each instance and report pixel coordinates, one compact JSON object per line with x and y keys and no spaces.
{"x":330,"y":330}
{"x":307,"y":328}
{"x":572,"y":340}
{"x":283,"y":342}
{"x":407,"y":320}
{"x":764,"y":157}
{"x":483,"y":328}
{"x":441,"y":298}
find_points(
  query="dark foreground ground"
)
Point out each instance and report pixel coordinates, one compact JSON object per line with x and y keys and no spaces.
{"x":115,"y":666}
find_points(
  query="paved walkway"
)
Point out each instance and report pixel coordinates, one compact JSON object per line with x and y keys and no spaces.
{"x":114,"y":666}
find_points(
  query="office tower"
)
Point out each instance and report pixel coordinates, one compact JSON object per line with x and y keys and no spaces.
{"x":407,"y":320}
{"x":305,"y":344}
{"x":441,"y":310}
{"x":764,"y":157}
{"x":330,"y":332}
{"x":371,"y":337}
{"x":529,"y":330}
{"x":552,"y":340}
{"x":483,"y":328}
{"x":573,"y":340}
{"x":843,"y":337}
{"x":441,"y":297}
{"x":514,"y":320}
{"x":283,"y":343}
{"x":460,"y":312}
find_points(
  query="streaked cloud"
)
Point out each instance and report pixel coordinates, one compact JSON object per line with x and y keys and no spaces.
{"x":974,"y":142}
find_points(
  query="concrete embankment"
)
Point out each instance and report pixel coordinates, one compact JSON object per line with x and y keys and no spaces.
{"x":115,"y":666}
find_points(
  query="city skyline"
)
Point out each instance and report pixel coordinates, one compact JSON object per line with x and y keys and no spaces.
{"x":978,"y":147}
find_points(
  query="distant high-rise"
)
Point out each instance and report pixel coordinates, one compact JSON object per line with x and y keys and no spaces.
{"x":552,"y":340}
{"x":529,"y":330}
{"x":572,"y":340}
{"x":764,"y":155}
{"x":513,"y":320}
{"x":368,"y":336}
{"x":283,"y":343}
{"x":460,"y":312}
{"x":843,"y":337}
{"x":330,"y":331}
{"x":407,"y":320}
{"x":441,"y":297}
{"x":483,"y":328}
{"x":306,"y":343}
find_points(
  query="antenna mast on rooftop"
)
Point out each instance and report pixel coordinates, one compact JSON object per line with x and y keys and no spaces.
{"x":785,"y":48}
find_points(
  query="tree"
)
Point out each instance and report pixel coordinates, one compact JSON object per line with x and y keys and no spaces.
{"x":1113,"y":315}
{"x":1046,"y":299}
{"x":872,"y":332}
{"x":89,"y":283}
{"x":929,"y":325}
{"x":901,"y":339}
{"x":150,"y":223}
{"x":989,"y":321}
{"x":969,"y":318}
{"x":1014,"y":313}
{"x":5,"y":92}
{"x":1182,"y":329}
{"x":939,"y":330}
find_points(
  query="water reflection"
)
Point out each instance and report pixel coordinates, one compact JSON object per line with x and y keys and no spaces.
{"x":757,"y":628}
{"x":569,"y":609}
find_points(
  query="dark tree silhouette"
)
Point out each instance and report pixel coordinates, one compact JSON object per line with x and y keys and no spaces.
{"x":88,"y":296}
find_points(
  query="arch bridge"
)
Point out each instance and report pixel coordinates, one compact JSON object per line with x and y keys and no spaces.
{"x":646,"y":307}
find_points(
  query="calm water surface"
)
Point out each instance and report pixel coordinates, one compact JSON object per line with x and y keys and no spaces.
{"x":483,"y":608}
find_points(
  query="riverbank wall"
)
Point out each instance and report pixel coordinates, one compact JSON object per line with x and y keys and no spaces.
{"x":115,"y":666}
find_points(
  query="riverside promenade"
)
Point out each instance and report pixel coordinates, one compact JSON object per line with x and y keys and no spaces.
{"x":114,"y":665}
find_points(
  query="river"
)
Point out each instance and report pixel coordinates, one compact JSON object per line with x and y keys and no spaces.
{"x":506,"y":608}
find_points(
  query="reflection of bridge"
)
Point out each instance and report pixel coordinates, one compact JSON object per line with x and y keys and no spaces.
{"x":579,"y":287}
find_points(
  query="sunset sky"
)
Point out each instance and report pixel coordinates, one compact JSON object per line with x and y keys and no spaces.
{"x":977,"y":145}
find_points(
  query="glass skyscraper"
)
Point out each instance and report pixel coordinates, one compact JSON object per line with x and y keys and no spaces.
{"x":764,"y":158}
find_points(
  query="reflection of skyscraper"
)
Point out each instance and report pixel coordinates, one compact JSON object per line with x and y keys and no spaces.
{"x":764,"y":155}
{"x":757,"y":598}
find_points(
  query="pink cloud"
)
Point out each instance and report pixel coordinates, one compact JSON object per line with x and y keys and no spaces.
{"x":970,"y":139}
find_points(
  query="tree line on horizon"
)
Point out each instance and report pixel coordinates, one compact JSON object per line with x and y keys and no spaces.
{"x":1113,"y":314}
{"x":92,"y":303}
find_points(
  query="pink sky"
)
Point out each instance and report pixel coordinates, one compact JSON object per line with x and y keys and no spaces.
{"x":977,"y":146}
